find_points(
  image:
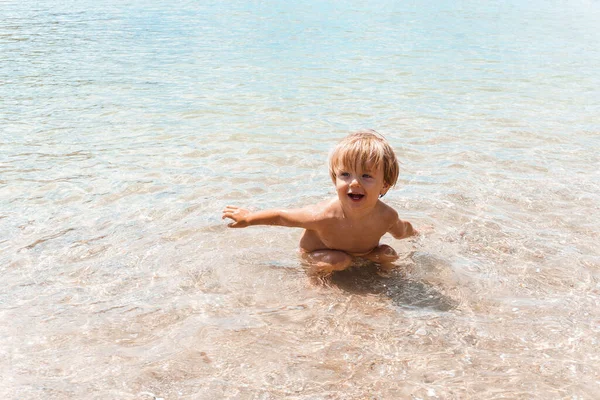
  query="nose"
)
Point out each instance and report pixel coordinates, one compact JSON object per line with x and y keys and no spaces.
{"x":354,"y":182}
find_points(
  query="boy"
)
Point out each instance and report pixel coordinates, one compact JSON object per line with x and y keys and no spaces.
{"x":363,"y":167}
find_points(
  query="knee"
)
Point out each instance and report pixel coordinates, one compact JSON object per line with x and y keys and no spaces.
{"x":337,"y":260}
{"x":388,"y":251}
{"x":384,"y":253}
{"x":329,"y":260}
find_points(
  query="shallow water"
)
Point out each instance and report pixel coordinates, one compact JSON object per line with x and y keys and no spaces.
{"x":127,"y":126}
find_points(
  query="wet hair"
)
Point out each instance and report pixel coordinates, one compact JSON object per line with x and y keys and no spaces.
{"x":362,"y":149}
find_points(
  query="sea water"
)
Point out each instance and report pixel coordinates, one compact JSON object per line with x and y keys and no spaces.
{"x":126,"y":126}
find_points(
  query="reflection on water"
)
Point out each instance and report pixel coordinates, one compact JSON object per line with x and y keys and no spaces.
{"x":126,"y":126}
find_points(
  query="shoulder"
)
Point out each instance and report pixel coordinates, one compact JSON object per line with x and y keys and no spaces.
{"x":388,"y":216}
{"x":323,"y":211}
{"x":313,"y":212}
{"x":386,"y":211}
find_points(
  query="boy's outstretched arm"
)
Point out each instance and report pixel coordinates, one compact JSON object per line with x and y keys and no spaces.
{"x":402,"y":229}
{"x":300,"y":218}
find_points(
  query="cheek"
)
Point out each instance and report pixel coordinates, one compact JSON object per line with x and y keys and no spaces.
{"x":369,"y":183}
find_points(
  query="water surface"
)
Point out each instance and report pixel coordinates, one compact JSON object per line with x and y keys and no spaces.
{"x":126,"y":126}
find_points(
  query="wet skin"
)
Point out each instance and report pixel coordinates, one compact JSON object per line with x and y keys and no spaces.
{"x":341,"y":229}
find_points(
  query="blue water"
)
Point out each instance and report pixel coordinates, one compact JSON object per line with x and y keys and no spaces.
{"x":126,"y":126}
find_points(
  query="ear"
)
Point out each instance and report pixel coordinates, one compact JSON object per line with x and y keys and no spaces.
{"x":384,"y":189}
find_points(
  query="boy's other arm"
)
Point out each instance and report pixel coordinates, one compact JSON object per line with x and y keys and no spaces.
{"x":402,"y":229}
{"x":300,"y":218}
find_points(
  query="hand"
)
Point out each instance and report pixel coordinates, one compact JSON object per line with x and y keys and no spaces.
{"x":238,"y":215}
{"x":420,"y":234}
{"x":425,"y":230}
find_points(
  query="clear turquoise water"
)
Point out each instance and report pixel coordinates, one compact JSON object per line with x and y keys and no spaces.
{"x":126,"y":126}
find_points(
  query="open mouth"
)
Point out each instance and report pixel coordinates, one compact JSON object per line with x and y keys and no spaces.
{"x":355,"y":196}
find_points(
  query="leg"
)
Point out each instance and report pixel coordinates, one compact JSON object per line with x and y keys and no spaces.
{"x":325,"y":262}
{"x":383,"y":255}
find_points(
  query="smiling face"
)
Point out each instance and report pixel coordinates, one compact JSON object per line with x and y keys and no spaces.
{"x":364,"y":151}
{"x":363,"y":167}
{"x":359,"y":188}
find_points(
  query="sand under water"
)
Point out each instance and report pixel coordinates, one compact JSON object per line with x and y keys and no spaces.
{"x":127,"y":126}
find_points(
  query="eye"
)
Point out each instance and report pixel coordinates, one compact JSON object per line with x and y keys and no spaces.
{"x":367,"y":176}
{"x":344,"y":174}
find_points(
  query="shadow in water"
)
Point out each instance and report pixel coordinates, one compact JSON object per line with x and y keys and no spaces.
{"x":403,"y":291}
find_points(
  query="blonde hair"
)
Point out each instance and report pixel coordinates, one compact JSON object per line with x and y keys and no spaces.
{"x":362,"y":149}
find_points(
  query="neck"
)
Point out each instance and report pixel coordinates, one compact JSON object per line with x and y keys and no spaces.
{"x":355,"y":214}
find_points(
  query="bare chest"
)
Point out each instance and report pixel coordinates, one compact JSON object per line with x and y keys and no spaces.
{"x":351,"y":237}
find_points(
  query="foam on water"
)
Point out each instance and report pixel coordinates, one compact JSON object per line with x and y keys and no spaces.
{"x":126,"y":126}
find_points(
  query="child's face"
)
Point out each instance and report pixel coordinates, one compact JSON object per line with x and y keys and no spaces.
{"x":360,"y":189}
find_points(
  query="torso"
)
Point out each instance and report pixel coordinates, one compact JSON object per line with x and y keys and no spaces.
{"x":335,"y":232}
